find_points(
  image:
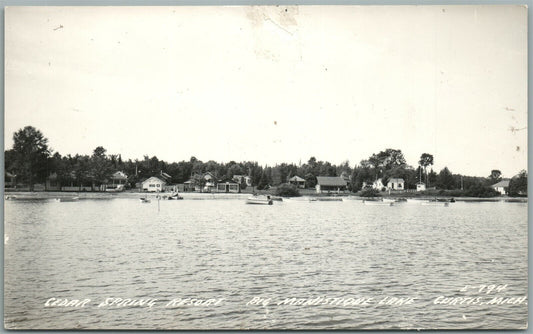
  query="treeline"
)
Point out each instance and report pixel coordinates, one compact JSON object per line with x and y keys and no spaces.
{"x":33,"y":162}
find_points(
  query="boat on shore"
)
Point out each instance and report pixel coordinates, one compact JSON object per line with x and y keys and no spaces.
{"x":259,"y":200}
{"x":144,"y":200}
{"x":174,"y":196}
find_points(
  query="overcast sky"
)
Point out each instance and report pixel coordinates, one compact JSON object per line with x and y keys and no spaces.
{"x":274,"y":84}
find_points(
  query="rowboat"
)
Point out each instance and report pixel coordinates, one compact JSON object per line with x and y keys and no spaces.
{"x":259,"y":200}
{"x":144,"y":200}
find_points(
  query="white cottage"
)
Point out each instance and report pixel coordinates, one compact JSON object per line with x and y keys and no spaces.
{"x":154,"y":184}
{"x":396,"y":184}
{"x":501,"y":187}
{"x":420,"y":186}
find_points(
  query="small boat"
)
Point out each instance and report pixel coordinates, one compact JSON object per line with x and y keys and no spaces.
{"x":10,"y":197}
{"x":144,"y":200}
{"x":276,"y":198}
{"x":67,"y":199}
{"x":388,"y":200}
{"x":259,"y":200}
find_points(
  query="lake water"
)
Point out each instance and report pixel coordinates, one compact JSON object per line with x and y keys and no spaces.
{"x":341,"y":261}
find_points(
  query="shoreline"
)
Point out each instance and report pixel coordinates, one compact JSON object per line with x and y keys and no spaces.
{"x":42,"y":195}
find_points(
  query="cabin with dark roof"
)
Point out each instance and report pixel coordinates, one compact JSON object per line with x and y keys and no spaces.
{"x":329,"y":184}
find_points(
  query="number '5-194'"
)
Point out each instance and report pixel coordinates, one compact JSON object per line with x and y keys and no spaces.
{"x":482,"y":288}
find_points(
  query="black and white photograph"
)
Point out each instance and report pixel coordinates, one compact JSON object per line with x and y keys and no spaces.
{"x":307,"y":167}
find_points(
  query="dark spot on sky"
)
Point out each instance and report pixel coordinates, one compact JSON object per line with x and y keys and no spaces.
{"x":444,"y":10}
{"x":60,"y":27}
{"x":275,"y":123}
{"x":285,"y":10}
{"x":517,"y":148}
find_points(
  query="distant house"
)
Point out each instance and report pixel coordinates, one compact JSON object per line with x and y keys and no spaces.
{"x":209,"y":185}
{"x":346,"y":176}
{"x":330,"y":184}
{"x":52,"y":182}
{"x":297,"y":181}
{"x":117,"y":181}
{"x":396,"y":184}
{"x":420,"y":186}
{"x":502,"y":187}
{"x":241,"y":178}
{"x":378,"y":184}
{"x":154,"y":184}
{"x":209,"y":182}
{"x":228,"y":186}
{"x":10,"y":180}
{"x":188,"y":186}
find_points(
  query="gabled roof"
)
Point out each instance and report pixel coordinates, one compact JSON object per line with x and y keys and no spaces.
{"x":157,"y":178}
{"x":164,"y":176}
{"x":227,"y":181}
{"x":396,"y":180}
{"x":296,"y":178}
{"x":334,"y":181}
{"x":502,"y":183}
{"x":119,"y":176}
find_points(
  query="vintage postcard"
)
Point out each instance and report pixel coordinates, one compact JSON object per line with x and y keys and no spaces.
{"x":266,"y":167}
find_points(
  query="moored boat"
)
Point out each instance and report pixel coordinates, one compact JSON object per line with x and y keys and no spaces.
{"x":144,"y":200}
{"x":174,"y":196}
{"x":259,"y":200}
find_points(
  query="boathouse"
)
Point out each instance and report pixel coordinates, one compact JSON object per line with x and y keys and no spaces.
{"x":328,"y":184}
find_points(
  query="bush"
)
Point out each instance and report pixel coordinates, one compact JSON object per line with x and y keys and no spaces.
{"x":287,"y":190}
{"x":370,"y":193}
{"x":479,"y":190}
